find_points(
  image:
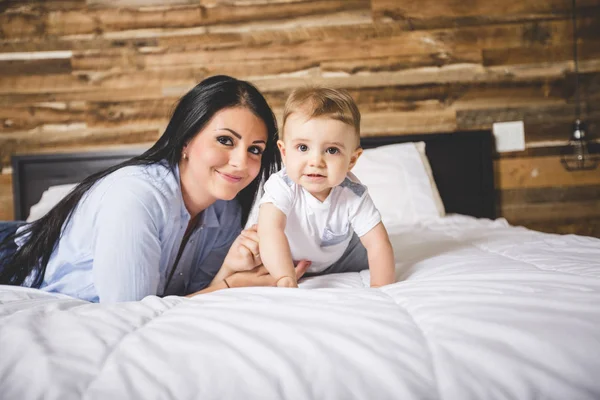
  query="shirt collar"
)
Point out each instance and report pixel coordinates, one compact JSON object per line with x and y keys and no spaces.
{"x":210,"y":219}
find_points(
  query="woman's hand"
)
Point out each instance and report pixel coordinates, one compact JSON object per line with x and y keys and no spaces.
{"x":255,"y":277}
{"x":259,"y":276}
{"x":243,"y":254}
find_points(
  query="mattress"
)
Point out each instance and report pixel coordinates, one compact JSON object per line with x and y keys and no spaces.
{"x":482,"y":310}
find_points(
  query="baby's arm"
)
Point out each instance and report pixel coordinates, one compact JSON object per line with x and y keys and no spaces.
{"x":274,"y":247}
{"x":380,"y":255}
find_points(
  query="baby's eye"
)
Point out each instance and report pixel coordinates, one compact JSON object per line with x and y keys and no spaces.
{"x":332,"y":150}
{"x":302,"y":147}
{"x":225,"y":140}
{"x":256,"y":150}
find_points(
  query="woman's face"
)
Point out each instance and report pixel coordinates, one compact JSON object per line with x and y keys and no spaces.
{"x":223,"y":158}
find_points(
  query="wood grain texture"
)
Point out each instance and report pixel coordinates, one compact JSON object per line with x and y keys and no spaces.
{"x":6,"y":197}
{"x":535,"y":172}
{"x":40,"y":22}
{"x":62,"y":137}
{"x":525,"y":213}
{"x":555,"y":209}
{"x":583,"y":226}
{"x":554,"y":194}
{"x":428,"y":14}
{"x":593,"y":147}
{"x":138,"y":3}
{"x":78,"y":73}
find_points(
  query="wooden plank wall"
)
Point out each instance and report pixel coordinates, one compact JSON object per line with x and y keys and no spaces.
{"x":81,"y":73}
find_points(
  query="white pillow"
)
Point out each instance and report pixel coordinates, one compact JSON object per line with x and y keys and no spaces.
{"x":51,"y":197}
{"x":439,"y":204}
{"x":400,"y":183}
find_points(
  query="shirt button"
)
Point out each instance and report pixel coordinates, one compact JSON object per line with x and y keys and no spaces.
{"x":181,"y":274}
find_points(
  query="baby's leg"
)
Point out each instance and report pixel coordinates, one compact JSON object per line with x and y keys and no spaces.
{"x":354,"y":259}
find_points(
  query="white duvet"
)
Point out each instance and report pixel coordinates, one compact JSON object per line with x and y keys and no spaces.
{"x":486,"y":311}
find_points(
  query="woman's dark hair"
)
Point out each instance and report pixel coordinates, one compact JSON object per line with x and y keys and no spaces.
{"x":194,"y":110}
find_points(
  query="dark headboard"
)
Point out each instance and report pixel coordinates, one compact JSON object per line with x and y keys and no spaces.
{"x":461,"y":163}
{"x":34,"y":173}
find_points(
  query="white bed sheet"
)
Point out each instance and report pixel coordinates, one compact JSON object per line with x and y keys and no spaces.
{"x":487,"y":311}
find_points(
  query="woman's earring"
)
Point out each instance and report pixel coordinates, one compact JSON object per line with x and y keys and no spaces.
{"x":185,"y":157}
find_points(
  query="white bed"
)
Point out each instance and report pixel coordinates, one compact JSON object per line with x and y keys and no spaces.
{"x":487,"y":311}
{"x":481,"y":309}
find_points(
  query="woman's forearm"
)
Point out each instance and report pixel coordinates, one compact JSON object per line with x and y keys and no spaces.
{"x":211,"y":288}
{"x":223,"y":273}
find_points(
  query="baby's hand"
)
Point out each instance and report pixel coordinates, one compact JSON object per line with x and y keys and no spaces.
{"x":287,"y":281}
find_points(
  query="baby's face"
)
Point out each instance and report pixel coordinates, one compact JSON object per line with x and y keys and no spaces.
{"x":318,"y":152}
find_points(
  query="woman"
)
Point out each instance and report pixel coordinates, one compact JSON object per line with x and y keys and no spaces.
{"x":166,"y":222}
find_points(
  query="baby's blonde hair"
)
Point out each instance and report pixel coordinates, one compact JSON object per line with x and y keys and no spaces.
{"x":314,"y":102}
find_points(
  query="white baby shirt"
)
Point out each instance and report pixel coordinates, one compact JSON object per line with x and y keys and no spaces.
{"x":320,"y":231}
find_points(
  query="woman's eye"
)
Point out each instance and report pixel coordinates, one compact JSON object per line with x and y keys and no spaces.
{"x":302,"y":147}
{"x":225,"y":140}
{"x":256,"y":150}
{"x":332,"y":150}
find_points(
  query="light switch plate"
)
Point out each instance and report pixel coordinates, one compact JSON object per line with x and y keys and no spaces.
{"x":510,"y":136}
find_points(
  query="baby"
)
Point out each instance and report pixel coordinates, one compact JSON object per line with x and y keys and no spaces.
{"x":314,"y":208}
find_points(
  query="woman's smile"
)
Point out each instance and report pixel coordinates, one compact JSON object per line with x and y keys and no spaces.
{"x":229,"y":177}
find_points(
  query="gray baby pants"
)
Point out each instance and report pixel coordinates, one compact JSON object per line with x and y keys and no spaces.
{"x":354,"y":259}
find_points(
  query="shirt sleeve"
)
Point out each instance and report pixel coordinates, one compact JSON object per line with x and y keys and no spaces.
{"x":229,"y":230}
{"x":280,"y":192}
{"x":363,"y":214}
{"x":127,"y":245}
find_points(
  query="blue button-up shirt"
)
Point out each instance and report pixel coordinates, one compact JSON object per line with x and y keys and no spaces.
{"x":124,"y":236}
